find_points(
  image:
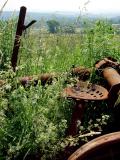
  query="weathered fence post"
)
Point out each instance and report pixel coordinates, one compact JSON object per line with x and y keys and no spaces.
{"x":20,"y":28}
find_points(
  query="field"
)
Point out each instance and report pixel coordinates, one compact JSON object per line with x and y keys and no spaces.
{"x":34,"y":119}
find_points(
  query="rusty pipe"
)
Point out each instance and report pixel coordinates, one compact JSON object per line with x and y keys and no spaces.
{"x":77,"y":115}
{"x":46,"y":77}
{"x":112,"y":76}
{"x":113,"y":79}
{"x":82,"y":73}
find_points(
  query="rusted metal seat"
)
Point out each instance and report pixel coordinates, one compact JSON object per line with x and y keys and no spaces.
{"x":86,"y":91}
{"x":81,"y":92}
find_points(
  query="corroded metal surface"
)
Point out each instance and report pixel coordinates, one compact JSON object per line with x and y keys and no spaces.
{"x":86,"y":91}
{"x":102,"y":142}
{"x":112,"y":76}
{"x":107,"y":62}
{"x":110,"y":70}
{"x":77,"y":115}
{"x":44,"y":78}
{"x":82,"y":73}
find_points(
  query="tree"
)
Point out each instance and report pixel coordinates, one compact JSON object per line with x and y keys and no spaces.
{"x":53,"y":26}
{"x":69,"y":29}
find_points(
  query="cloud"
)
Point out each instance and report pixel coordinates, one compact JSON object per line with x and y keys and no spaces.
{"x":63,"y":5}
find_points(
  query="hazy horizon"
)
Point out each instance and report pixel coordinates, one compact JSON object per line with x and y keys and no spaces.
{"x":75,"y":6}
{"x":69,"y":13}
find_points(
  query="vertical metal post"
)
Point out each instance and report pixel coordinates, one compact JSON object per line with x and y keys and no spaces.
{"x":78,"y":112}
{"x":20,"y":28}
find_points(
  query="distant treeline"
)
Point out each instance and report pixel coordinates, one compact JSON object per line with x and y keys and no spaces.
{"x":59,"y":21}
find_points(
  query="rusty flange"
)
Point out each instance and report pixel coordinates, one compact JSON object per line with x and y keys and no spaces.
{"x":86,"y":91}
{"x":107,"y":62}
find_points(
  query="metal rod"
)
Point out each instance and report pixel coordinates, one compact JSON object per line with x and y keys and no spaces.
{"x":77,"y":115}
{"x":31,"y":23}
{"x":20,"y":29}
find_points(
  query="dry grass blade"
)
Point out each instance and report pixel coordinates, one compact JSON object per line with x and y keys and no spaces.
{"x":92,"y":133}
{"x":1,"y":10}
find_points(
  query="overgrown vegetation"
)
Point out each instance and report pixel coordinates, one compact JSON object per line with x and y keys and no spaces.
{"x":34,"y":119}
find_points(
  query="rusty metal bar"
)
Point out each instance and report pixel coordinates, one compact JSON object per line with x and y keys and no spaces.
{"x":20,"y":28}
{"x":77,"y":115}
{"x":44,"y":78}
{"x":81,"y":73}
{"x":31,"y":23}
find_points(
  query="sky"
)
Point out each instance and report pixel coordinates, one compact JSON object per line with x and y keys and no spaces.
{"x":92,"y":6}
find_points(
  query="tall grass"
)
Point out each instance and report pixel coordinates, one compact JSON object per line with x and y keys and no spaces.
{"x":1,"y":9}
{"x":56,"y":52}
{"x":33,"y":120}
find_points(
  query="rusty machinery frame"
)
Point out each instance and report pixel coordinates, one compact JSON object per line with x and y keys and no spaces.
{"x":108,"y":68}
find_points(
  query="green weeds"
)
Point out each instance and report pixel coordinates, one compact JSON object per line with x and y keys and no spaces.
{"x":34,"y":120}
